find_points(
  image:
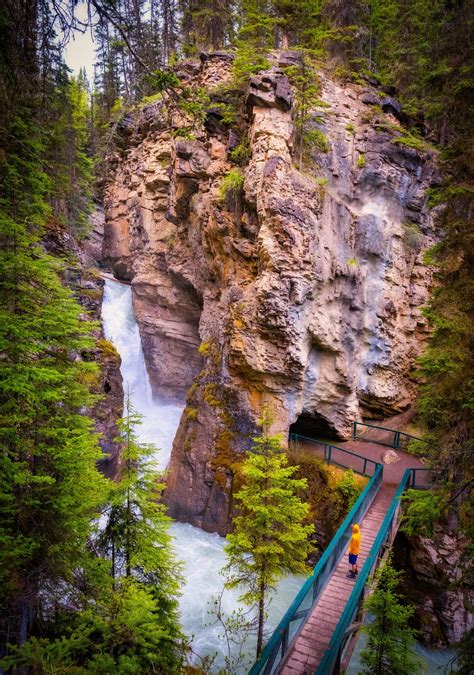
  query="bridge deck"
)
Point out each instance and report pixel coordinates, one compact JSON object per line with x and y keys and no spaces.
{"x":307,"y":651}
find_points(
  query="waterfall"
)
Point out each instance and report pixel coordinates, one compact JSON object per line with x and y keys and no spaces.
{"x":202,"y":553}
{"x":160,"y":419}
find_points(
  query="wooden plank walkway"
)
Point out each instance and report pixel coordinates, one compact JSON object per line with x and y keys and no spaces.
{"x":307,"y":651}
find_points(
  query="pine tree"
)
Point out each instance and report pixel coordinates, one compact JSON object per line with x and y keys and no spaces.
{"x":135,"y":537}
{"x":270,"y":538}
{"x":49,"y":484}
{"x":206,"y":24}
{"x":390,"y":641}
{"x":305,"y":83}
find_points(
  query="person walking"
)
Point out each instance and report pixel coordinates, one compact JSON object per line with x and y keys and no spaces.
{"x":354,"y":548}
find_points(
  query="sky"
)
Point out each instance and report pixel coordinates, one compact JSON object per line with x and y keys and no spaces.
{"x":79,"y":52}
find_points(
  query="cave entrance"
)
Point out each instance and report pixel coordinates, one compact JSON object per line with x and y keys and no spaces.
{"x":314,"y":425}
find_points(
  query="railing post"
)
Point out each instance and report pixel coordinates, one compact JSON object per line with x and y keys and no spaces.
{"x":364,"y":470}
{"x":284,"y":642}
{"x":329,"y":458}
{"x":337,"y":665}
{"x":354,"y":429}
{"x":396,"y":439}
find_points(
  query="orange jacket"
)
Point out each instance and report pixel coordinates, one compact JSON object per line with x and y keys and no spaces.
{"x":354,"y":546}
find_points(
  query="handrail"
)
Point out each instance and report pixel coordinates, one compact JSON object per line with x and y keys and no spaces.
{"x":340,"y":637}
{"x":294,"y":618}
{"x":332,"y":453}
{"x":394,"y":443}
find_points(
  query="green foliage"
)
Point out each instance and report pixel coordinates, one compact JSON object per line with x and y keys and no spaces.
{"x":410,"y":141}
{"x":119,"y":633}
{"x":348,"y":488}
{"x":162,"y":80}
{"x":135,"y":536}
{"x":390,"y":640}
{"x":465,"y":651}
{"x":361,"y":161}
{"x":322,"y":181}
{"x":316,"y":139}
{"x":65,"y":151}
{"x":255,"y":37}
{"x":269,"y":538}
{"x":412,"y":236}
{"x":329,"y":490}
{"x":353,"y":262}
{"x":135,"y":533}
{"x":248,"y":60}
{"x":205,"y":25}
{"x":49,"y":484}
{"x":424,"y":508}
{"x":240,"y":154}
{"x":194,"y":104}
{"x":305,"y":83}
{"x":228,"y":113}
{"x":231,"y":186}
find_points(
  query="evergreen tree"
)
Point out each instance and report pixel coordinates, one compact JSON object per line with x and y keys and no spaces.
{"x":49,"y":485}
{"x":120,"y":632}
{"x":390,"y":640}
{"x":206,"y":24}
{"x":270,"y":538}
{"x":305,"y":83}
{"x":66,"y":152}
{"x":135,"y":537}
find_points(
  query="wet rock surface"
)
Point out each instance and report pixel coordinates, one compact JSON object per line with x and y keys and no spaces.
{"x":303,"y":290}
{"x":438,"y":581}
{"x":82,"y":275}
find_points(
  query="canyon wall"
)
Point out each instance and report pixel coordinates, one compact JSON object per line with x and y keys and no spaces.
{"x":297,"y":289}
{"x":82,"y":275}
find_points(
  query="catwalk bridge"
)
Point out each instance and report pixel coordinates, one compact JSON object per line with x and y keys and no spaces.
{"x":315,"y":634}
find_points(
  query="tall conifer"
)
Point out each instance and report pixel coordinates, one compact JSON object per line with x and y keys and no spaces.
{"x":270,"y":538}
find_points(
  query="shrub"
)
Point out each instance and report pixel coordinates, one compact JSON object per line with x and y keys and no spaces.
{"x":412,"y":236}
{"x":410,"y":142}
{"x":232,"y":185}
{"x":361,"y":161}
{"x":240,"y":154}
{"x":315,"y":139}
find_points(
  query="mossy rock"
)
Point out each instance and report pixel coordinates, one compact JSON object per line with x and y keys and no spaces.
{"x":108,"y":350}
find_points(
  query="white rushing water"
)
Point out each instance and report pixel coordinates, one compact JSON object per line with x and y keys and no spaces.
{"x":202,"y":553}
{"x":160,"y":418}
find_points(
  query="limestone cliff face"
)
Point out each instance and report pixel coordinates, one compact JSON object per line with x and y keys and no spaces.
{"x":304,"y":292}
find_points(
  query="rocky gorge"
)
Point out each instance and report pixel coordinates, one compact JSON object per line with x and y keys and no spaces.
{"x":297,"y":290}
{"x":302,"y":291}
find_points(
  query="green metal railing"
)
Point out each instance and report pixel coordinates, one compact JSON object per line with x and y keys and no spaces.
{"x":394,"y":438}
{"x":276,"y":648}
{"x":335,"y":455}
{"x":334,"y":655}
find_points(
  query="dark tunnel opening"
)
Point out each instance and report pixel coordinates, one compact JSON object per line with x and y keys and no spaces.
{"x":314,"y":425}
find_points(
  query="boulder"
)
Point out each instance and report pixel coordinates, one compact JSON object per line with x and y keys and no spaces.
{"x":269,"y":89}
{"x":390,"y":457}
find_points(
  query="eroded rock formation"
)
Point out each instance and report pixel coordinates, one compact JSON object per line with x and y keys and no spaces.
{"x":304,"y":291}
{"x":437,"y":580}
